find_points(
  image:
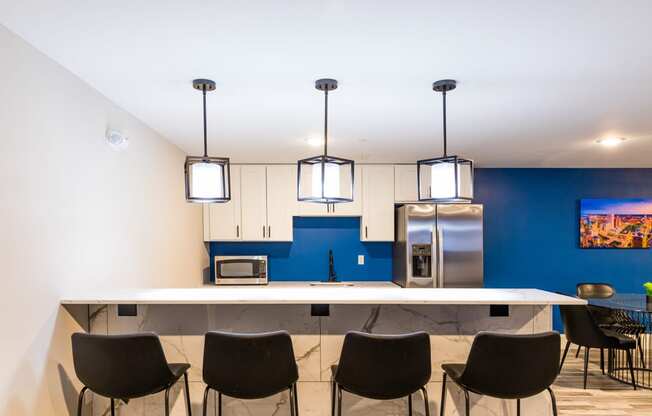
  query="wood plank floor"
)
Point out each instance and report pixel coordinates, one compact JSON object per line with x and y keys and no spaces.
{"x":603,"y":395}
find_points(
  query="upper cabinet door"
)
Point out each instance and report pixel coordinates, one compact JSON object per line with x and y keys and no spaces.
{"x":253,"y":196}
{"x":350,"y":209}
{"x":405,"y":183}
{"x":281,"y":201}
{"x":222,"y":221}
{"x":377,"y":203}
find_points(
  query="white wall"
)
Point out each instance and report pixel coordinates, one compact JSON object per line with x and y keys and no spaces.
{"x":75,"y":214}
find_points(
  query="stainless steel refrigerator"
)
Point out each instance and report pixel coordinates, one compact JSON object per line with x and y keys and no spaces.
{"x":438,"y":245}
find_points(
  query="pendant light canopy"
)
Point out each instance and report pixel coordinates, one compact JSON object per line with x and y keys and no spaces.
{"x":325,"y":179}
{"x":446,"y":178}
{"x":208,"y":179}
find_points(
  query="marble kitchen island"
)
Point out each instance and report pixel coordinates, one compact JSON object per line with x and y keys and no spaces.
{"x":451,"y":316}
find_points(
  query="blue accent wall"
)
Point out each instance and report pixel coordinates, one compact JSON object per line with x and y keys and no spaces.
{"x":307,"y":257}
{"x":531,"y":235}
{"x":531,"y":228}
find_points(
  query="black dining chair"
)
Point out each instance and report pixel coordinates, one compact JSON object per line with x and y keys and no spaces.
{"x":249,"y":366}
{"x":507,"y":367}
{"x":581,"y":329}
{"x":609,"y":318}
{"x":382,"y":367}
{"x":123,"y":367}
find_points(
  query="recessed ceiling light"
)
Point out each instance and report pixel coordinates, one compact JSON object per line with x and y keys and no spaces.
{"x":611,"y":141}
{"x":315,"y":141}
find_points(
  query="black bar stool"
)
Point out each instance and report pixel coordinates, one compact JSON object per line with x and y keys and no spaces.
{"x":382,"y":367}
{"x":250,"y":366}
{"x":125,"y":367}
{"x":581,"y":329}
{"x":507,"y":367}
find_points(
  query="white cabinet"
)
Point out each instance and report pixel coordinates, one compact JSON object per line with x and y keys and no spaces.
{"x":263,"y":202}
{"x":222,"y":221}
{"x":281,"y":201}
{"x":377,"y":222}
{"x":341,"y":209}
{"x":268,"y":202}
{"x":405,"y":183}
{"x":253,"y":179}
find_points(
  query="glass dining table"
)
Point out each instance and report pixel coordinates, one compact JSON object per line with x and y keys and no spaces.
{"x":632,"y":316}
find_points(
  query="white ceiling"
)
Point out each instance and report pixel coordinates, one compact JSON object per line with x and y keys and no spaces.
{"x":539,"y":81}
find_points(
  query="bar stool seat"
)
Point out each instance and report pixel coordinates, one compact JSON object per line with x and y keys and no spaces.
{"x":506,"y":367}
{"x":382,"y":367}
{"x":249,"y":366}
{"x":123,"y":367}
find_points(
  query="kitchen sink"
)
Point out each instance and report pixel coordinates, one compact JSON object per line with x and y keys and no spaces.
{"x":331,"y":284}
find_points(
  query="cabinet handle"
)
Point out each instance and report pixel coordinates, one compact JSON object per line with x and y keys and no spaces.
{"x":366,"y":232}
{"x":328,"y":207}
{"x":237,"y":231}
{"x":333,"y":207}
{"x":263,"y":231}
{"x":269,"y":231}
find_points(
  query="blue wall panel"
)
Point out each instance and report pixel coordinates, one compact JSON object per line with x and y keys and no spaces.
{"x":307,"y":257}
{"x":531,"y":228}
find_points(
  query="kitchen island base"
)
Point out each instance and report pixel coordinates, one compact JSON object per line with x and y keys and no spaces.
{"x":317,"y":342}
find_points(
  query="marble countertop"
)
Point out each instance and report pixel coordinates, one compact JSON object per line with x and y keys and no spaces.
{"x":306,"y":293}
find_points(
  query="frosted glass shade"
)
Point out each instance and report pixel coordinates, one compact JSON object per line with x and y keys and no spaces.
{"x":445,"y":179}
{"x":208,"y":179}
{"x":325,"y":179}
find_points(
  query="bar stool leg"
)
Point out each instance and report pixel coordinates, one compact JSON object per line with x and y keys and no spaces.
{"x":467,"y":404}
{"x":640,"y":350}
{"x":443,"y":395}
{"x":333,"y":388}
{"x":188,"y":406}
{"x":167,"y":401}
{"x":339,"y":401}
{"x":205,"y":402}
{"x":518,"y":407}
{"x":219,"y":403}
{"x":80,"y":402}
{"x":426,"y":402}
{"x":586,"y":364}
{"x":577,"y":354}
{"x":554,"y":402}
{"x":563,"y":358}
{"x":296,"y":401}
{"x":410,"y":404}
{"x":112,"y":407}
{"x":291,"y":400}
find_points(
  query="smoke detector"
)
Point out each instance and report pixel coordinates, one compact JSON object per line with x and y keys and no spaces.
{"x":117,"y":140}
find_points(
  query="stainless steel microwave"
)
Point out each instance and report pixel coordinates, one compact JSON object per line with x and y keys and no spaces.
{"x":240,"y":270}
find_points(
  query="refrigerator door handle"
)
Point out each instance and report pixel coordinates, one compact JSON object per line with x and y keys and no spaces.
{"x":434,"y":264}
{"x":440,"y":257}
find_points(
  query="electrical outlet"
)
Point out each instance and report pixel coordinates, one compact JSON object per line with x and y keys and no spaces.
{"x":360,"y":259}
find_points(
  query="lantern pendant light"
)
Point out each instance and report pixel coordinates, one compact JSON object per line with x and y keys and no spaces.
{"x":446,"y":178}
{"x":325,"y":179}
{"x":208,"y":179}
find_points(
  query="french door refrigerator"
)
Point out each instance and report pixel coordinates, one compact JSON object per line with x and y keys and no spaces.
{"x":438,"y":245}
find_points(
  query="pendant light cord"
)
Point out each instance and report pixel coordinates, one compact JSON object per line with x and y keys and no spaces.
{"x":205,"y":141}
{"x":444,"y":98}
{"x":325,"y":122}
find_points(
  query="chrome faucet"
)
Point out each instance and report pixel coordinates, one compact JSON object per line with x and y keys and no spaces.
{"x":332,"y":277}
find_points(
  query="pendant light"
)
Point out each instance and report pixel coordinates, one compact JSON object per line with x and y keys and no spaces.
{"x":446,"y":178}
{"x":325,"y":179}
{"x":208,"y":179}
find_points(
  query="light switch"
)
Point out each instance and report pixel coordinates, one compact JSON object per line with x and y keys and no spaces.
{"x":360,"y":259}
